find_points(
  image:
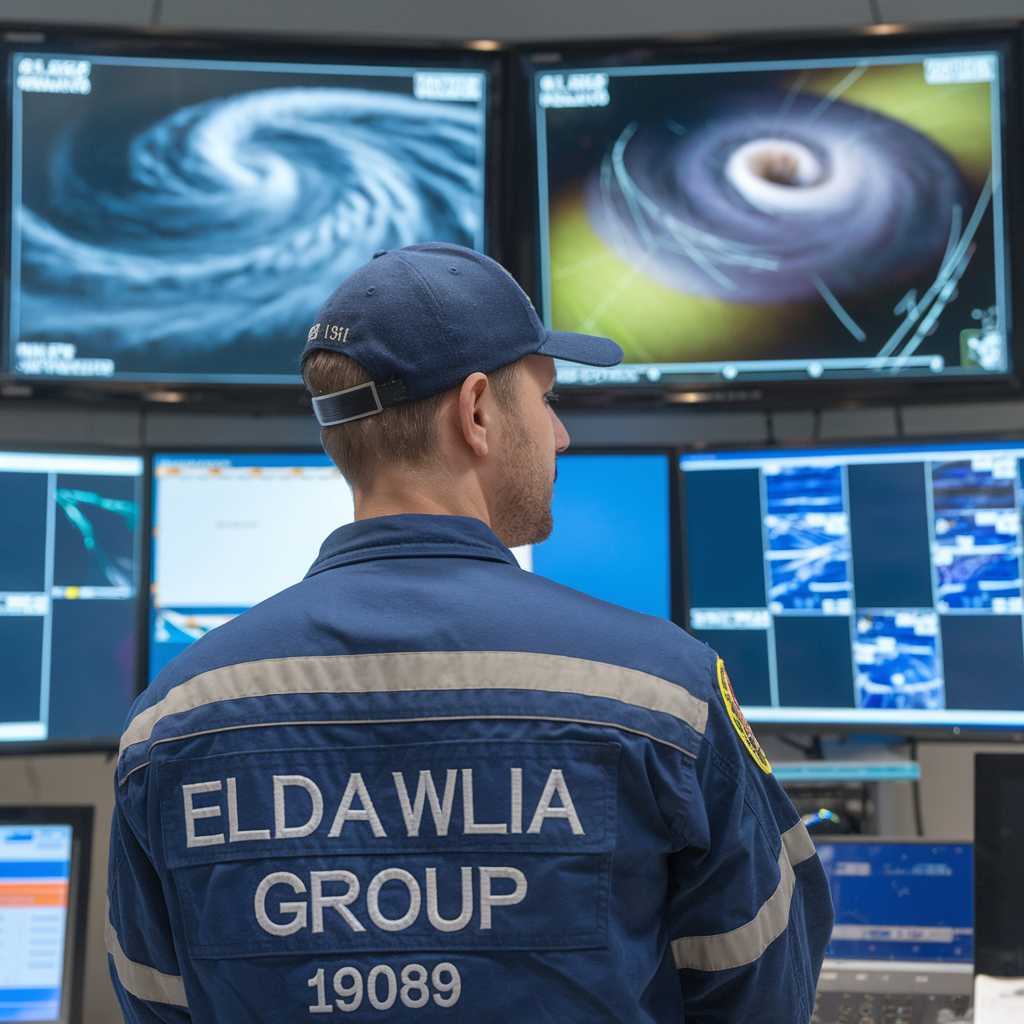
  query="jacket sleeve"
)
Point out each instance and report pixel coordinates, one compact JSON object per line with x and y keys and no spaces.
{"x":140,"y":951}
{"x":750,"y":912}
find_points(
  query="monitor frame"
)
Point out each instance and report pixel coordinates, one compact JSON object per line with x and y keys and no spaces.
{"x":80,"y":818}
{"x":524,"y":233}
{"x":913,"y":730}
{"x":65,"y":745}
{"x":475,"y":55}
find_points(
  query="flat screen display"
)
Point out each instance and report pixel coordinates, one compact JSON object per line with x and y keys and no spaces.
{"x":862,"y":585}
{"x":184,"y":220}
{"x":998,"y":883}
{"x":231,"y":530}
{"x":819,"y":218}
{"x":900,"y":901}
{"x":35,"y":875}
{"x":70,"y":538}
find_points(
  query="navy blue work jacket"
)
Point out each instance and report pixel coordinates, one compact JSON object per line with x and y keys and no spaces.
{"x":424,"y":784}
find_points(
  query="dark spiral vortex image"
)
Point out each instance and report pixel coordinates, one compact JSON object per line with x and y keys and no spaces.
{"x":771,"y":194}
{"x":229,"y":221}
{"x":778,"y":219}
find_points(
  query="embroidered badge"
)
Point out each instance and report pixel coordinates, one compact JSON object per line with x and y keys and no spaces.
{"x":732,"y":705}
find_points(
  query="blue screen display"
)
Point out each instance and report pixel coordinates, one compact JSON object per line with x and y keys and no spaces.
{"x":70,"y":545}
{"x":611,"y":535}
{"x":231,"y":530}
{"x":861,"y":585}
{"x":901,"y":901}
{"x":185,"y":219}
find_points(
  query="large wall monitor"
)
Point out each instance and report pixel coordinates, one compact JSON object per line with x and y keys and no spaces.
{"x":44,"y":883}
{"x":180,"y":209}
{"x":799,"y":211}
{"x":862,"y":586}
{"x":70,"y":539}
{"x":231,"y":530}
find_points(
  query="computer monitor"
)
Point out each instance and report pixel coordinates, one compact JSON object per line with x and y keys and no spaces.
{"x":800,"y":211}
{"x":230,"y":530}
{"x":44,"y":889}
{"x":70,"y":540}
{"x":899,"y":900}
{"x":180,"y":208}
{"x":998,"y":880}
{"x":903,"y":942}
{"x":862,"y":586}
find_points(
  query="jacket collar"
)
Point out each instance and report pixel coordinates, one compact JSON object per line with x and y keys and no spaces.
{"x":410,"y":536}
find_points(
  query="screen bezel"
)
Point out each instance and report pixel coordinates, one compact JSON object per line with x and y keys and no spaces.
{"x":525,"y":238}
{"x":103,"y":743}
{"x":969,"y":732}
{"x":481,"y":56}
{"x":80,"y":818}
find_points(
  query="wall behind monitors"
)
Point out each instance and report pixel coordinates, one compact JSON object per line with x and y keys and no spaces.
{"x":786,"y":211}
{"x":230,"y":530}
{"x":180,"y":218}
{"x":70,"y":538}
{"x":867,"y":586}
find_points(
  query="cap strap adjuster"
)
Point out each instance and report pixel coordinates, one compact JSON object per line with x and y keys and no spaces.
{"x":350,"y":404}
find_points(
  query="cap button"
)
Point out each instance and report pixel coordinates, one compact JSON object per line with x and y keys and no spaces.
{"x":380,"y":252}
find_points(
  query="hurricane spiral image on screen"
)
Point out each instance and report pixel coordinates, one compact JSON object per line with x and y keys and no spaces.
{"x":205,"y":241}
{"x":835,"y":213}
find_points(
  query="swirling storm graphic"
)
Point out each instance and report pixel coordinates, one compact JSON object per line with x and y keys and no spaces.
{"x":235,"y":218}
{"x":772,"y":195}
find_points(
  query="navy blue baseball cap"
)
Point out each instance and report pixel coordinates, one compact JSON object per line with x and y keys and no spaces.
{"x":420,"y":320}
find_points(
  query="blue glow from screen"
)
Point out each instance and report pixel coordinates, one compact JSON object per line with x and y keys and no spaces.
{"x":901,"y":901}
{"x":611,"y":535}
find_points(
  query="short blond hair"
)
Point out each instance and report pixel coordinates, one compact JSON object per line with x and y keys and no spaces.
{"x":404,"y":433}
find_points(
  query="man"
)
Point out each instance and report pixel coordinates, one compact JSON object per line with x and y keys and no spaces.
{"x":426,"y":781}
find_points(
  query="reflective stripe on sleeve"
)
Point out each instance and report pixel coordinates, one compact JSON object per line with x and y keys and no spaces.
{"x":745,"y":944}
{"x":141,"y":981}
{"x":423,"y":670}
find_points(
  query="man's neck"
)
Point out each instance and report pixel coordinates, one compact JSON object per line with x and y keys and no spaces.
{"x":406,"y":492}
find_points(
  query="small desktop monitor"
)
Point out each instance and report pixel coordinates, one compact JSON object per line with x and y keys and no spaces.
{"x":44,"y":888}
{"x":181,"y":208}
{"x":230,"y":530}
{"x":70,"y":541}
{"x":866,"y":586}
{"x":899,"y":900}
{"x":803,"y":211}
{"x":902,"y":947}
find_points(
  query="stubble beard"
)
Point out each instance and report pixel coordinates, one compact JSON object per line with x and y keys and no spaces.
{"x":523,"y":512}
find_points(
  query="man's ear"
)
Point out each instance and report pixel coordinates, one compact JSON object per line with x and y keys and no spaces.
{"x":476,"y":412}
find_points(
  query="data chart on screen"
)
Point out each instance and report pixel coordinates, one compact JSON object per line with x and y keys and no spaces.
{"x":229,"y":531}
{"x":184,"y":220}
{"x":70,"y":541}
{"x":35,"y":871}
{"x":900,"y":901}
{"x":828,"y":217}
{"x":862,"y":585}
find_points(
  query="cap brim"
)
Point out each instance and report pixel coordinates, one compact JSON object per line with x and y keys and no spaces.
{"x":581,"y":348}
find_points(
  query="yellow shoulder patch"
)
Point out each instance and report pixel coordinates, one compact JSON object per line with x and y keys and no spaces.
{"x":746,"y":735}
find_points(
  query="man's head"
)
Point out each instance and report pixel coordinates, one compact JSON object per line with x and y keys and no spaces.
{"x":431,"y":373}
